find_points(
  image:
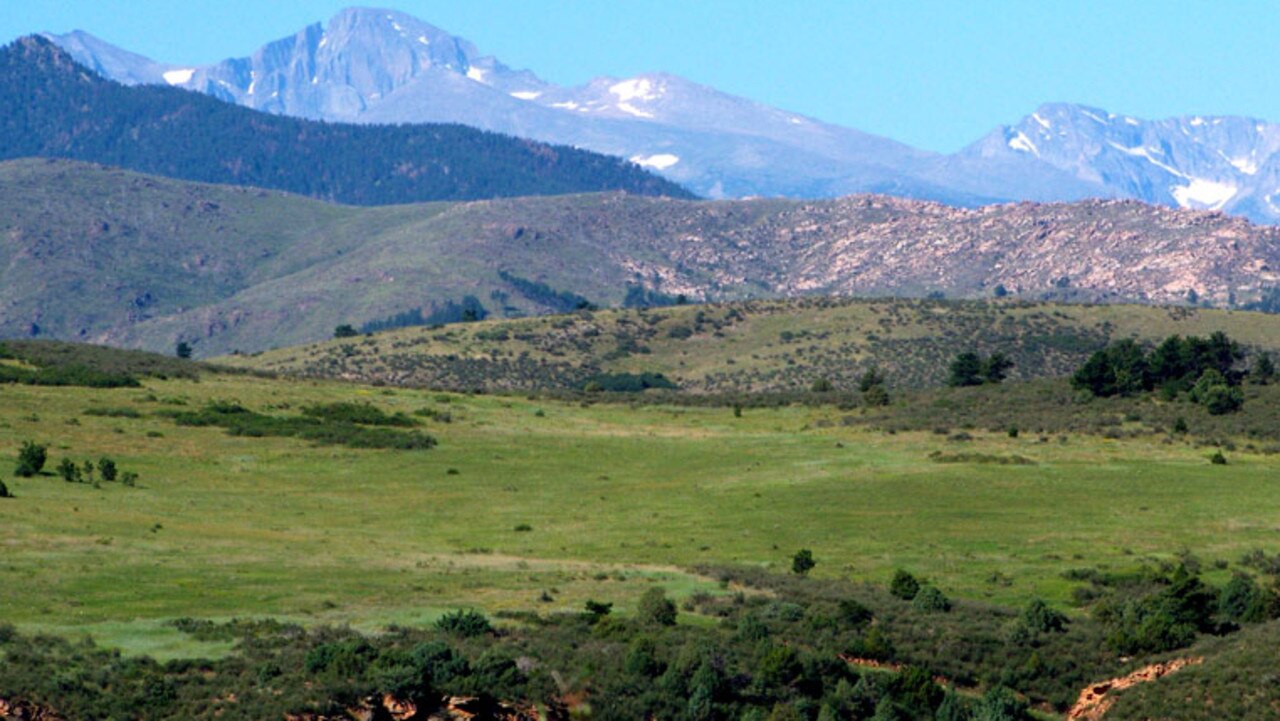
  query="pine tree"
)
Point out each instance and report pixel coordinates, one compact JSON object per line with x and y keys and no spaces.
{"x":1264,"y":370}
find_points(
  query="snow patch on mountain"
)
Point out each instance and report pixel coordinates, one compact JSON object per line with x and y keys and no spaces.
{"x":1020,"y":141}
{"x":526,"y":95}
{"x":476,"y":74}
{"x":1204,"y":194}
{"x":1145,"y":153}
{"x":661,"y":161}
{"x":178,"y":77}
{"x":633,"y":110}
{"x":635,"y":89}
{"x":1246,"y":165}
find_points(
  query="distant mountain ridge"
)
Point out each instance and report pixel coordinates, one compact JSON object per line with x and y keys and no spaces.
{"x":1204,"y":163}
{"x":50,"y":106}
{"x":383,"y":66}
{"x":110,"y":256}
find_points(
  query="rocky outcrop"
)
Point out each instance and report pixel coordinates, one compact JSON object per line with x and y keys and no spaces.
{"x":1097,"y":699}
{"x":450,"y":708}
{"x":19,"y":710}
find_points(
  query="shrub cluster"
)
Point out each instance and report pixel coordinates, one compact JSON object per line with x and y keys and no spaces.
{"x":971,"y":369}
{"x":69,"y":375}
{"x":323,"y":425}
{"x":105,"y":469}
{"x":627,"y":382}
{"x":1202,"y":367}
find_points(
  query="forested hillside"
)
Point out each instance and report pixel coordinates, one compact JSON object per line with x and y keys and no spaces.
{"x":52,"y":107}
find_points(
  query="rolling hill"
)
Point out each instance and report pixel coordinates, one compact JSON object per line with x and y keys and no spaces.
{"x":775,"y":346}
{"x":92,"y":253}
{"x":50,"y":106}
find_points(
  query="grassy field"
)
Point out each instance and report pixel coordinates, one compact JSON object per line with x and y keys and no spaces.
{"x":615,"y":498}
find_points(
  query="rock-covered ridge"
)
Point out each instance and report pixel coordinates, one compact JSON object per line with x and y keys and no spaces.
{"x":229,"y":268}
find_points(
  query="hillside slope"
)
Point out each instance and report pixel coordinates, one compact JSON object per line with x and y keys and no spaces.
{"x":52,"y":107}
{"x":754,"y":346}
{"x":110,"y":256}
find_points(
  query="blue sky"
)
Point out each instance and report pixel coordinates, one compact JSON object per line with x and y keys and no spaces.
{"x":936,"y":75}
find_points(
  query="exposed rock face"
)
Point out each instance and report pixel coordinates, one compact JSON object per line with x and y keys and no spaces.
{"x":1098,"y":698}
{"x":18,"y":710}
{"x":450,"y":708}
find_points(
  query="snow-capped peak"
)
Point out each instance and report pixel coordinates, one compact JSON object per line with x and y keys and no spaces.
{"x":636,"y":89}
{"x":178,"y":77}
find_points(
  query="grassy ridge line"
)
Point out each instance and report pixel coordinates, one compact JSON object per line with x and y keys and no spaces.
{"x":753,"y":346}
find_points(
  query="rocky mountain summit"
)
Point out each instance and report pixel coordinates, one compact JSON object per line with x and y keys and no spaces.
{"x":1218,"y":163}
{"x":383,"y":66}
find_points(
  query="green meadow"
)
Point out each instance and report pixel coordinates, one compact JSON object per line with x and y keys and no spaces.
{"x":536,"y":504}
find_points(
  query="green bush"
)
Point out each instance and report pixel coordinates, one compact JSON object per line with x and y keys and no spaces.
{"x":360,"y":413}
{"x":628,"y":382}
{"x":31,"y":459}
{"x":875,"y":397}
{"x":1001,"y":704}
{"x":113,"y":412}
{"x":965,"y":370}
{"x":107,"y":469}
{"x":1040,"y":618}
{"x":870,"y":379}
{"x":1220,"y":400}
{"x":69,"y":471}
{"x":904,"y":585}
{"x":1243,"y":601}
{"x":466,"y":623}
{"x":931,"y":600}
{"x":4,"y":491}
{"x":802,"y":562}
{"x":655,"y":609}
{"x":319,"y":429}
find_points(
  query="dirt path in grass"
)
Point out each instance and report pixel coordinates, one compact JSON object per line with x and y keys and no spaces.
{"x":1097,"y":698}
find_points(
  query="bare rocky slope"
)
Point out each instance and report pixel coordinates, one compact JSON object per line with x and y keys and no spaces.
{"x":91,"y":253}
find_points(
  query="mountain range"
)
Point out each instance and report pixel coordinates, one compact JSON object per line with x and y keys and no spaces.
{"x":50,"y":106}
{"x":106,"y":255}
{"x":382,"y":66}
